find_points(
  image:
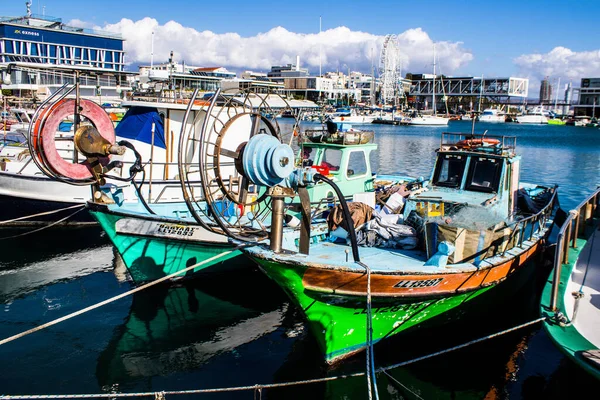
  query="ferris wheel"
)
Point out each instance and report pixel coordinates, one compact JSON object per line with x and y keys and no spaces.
{"x":389,"y":68}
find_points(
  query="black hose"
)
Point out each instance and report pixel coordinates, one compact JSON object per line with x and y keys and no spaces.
{"x":346,"y":212}
{"x":133,"y":171}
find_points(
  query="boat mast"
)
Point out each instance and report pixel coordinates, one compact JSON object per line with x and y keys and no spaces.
{"x":433,"y":88}
{"x":556,"y":98}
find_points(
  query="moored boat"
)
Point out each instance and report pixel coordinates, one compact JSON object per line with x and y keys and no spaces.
{"x":472,"y":229}
{"x":492,"y":115}
{"x":156,"y":239}
{"x":569,"y":298}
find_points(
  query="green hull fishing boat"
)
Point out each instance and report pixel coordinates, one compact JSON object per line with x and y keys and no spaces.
{"x":569,"y":301}
{"x":373,"y":273}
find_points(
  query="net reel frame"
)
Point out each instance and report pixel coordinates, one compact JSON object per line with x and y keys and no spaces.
{"x":229,"y":120}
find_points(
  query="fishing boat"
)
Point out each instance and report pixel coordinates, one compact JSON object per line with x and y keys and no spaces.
{"x":156,"y":239}
{"x":29,"y":197}
{"x":569,"y":300}
{"x":472,"y":229}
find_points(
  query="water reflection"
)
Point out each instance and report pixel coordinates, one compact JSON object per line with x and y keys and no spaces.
{"x":31,"y":262}
{"x":174,"y":329}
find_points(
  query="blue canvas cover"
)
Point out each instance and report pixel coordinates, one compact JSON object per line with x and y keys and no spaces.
{"x":137,"y":125}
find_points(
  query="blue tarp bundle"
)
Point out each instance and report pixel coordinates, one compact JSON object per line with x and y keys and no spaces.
{"x":137,"y":125}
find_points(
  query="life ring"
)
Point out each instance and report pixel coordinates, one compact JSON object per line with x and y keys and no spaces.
{"x":342,"y":118}
{"x":470,"y":143}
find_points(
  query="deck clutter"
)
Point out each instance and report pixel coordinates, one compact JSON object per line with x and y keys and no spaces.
{"x":190,"y":188}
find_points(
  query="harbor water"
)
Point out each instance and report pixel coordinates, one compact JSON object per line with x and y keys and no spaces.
{"x":221,"y":331}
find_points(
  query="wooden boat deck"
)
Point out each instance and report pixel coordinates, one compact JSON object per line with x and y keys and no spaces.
{"x":586,"y":279}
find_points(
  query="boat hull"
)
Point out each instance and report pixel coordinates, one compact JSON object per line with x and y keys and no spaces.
{"x":42,"y":200}
{"x":339,"y":322}
{"x":573,"y":338}
{"x":152,"y":248}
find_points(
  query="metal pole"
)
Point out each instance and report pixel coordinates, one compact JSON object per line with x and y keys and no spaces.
{"x":151,"y":164}
{"x":557,"y":271}
{"x":277,"y":224}
{"x":76,"y":115}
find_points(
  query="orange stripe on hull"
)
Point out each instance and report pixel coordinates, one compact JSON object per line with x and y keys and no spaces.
{"x":413,"y":285}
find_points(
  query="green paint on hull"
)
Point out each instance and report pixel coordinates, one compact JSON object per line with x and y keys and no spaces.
{"x":339,"y":323}
{"x":567,"y":338}
{"x":150,"y":258}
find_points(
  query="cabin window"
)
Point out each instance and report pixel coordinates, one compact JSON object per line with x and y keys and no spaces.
{"x":332,"y":159}
{"x":308,"y":156}
{"x":357,"y":164}
{"x":484,"y":174}
{"x":450,"y":170}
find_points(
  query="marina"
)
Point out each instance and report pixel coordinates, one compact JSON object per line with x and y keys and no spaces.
{"x":524,"y":361}
{"x":187,"y":227}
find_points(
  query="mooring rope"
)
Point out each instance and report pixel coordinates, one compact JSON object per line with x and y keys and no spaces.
{"x":370,"y":356}
{"x":120,"y":296}
{"x":45,"y":226}
{"x":269,"y":385}
{"x":397,"y":382}
{"x":41,"y":214}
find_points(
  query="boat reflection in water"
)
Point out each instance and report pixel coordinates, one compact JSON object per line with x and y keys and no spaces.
{"x":179,"y":328}
{"x":31,"y":262}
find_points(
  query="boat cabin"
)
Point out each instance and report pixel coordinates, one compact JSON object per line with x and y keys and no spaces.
{"x":474,"y":170}
{"x":346,"y":159}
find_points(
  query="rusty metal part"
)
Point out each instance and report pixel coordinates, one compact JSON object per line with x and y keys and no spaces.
{"x":90,"y":143}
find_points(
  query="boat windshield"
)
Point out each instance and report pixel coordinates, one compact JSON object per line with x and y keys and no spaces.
{"x":484,"y":174}
{"x":332,"y":159}
{"x":450,"y":170}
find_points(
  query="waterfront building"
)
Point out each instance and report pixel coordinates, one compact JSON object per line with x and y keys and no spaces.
{"x":279,"y":72}
{"x":545,"y":91}
{"x":173,"y":79}
{"x":38,"y":54}
{"x":589,"y":98}
{"x":255,"y":81}
{"x":465,"y":93}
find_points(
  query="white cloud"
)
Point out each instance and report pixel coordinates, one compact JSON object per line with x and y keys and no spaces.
{"x":341,"y":48}
{"x":559,"y":62}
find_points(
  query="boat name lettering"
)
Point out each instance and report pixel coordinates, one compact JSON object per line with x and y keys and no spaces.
{"x":388,"y":309}
{"x":419,"y":283}
{"x":176,"y":230}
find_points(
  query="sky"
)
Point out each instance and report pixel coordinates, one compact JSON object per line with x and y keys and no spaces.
{"x":528,"y":38}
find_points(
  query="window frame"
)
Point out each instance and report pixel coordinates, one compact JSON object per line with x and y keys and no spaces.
{"x":438,"y":169}
{"x":494,"y":185}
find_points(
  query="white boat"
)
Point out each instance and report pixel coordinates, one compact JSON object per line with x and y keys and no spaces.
{"x":536,"y":116}
{"x":28,"y":197}
{"x":429,"y":120}
{"x":492,"y":115}
{"x":354,"y":118}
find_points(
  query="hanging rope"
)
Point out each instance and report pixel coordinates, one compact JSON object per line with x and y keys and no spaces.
{"x":266,"y":386}
{"x":370,"y":356}
{"x":120,"y":296}
{"x":46,"y":226}
{"x":41,"y":214}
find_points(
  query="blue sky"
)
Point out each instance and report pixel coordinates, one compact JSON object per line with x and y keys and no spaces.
{"x":508,"y":38}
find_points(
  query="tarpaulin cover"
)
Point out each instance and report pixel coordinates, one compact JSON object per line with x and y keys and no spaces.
{"x":137,"y":125}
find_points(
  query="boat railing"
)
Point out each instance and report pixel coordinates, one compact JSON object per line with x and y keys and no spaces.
{"x":506,"y":144}
{"x":573,"y":228}
{"x":524,"y":228}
